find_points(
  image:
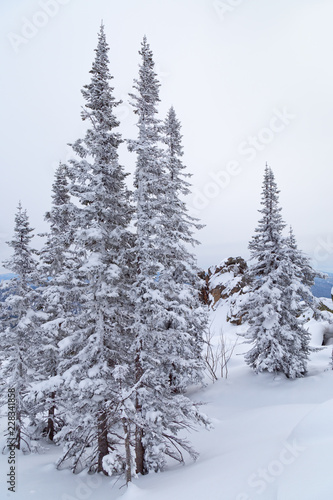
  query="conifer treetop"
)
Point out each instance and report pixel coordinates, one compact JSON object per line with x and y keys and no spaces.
{"x":22,"y":262}
{"x":147,"y":86}
{"x":99,"y":108}
{"x":265,"y":244}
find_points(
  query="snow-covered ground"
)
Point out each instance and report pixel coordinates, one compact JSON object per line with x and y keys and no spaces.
{"x":272,"y":438}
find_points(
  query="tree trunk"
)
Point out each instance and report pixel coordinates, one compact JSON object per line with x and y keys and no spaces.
{"x":139,"y":448}
{"x":139,"y":452}
{"x":103,"y":448}
{"x":50,"y":420}
{"x":128,"y":474}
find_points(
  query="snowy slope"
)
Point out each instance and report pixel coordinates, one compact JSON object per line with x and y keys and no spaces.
{"x":272,"y":439}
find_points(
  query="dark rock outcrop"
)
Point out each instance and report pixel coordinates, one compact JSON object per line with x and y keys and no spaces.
{"x":226,"y":281}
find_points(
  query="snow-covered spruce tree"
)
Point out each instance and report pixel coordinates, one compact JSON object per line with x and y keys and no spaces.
{"x":56,"y":260}
{"x":305,"y":274}
{"x":160,"y":412}
{"x":280,"y":343}
{"x":95,"y":351}
{"x":185,"y":318}
{"x":18,"y":320}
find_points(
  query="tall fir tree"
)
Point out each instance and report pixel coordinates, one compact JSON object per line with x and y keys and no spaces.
{"x":185,"y":318}
{"x":160,"y":412}
{"x":147,"y":181}
{"x":18,"y":320}
{"x":280,"y":342}
{"x":95,"y":351}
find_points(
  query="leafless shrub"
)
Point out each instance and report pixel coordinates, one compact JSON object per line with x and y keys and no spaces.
{"x":217,"y":356}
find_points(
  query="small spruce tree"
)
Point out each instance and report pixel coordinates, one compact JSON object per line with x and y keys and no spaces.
{"x":305,"y":276}
{"x":18,"y":326}
{"x":56,"y":298}
{"x":280,"y":342}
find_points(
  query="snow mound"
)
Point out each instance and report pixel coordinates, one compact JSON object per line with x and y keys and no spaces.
{"x":316,"y":427}
{"x":310,"y":476}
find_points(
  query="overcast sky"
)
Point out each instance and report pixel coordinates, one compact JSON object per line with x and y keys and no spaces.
{"x":251,"y":81}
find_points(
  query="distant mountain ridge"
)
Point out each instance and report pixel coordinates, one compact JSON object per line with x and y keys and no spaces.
{"x":322,"y":287}
{"x":6,"y":276}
